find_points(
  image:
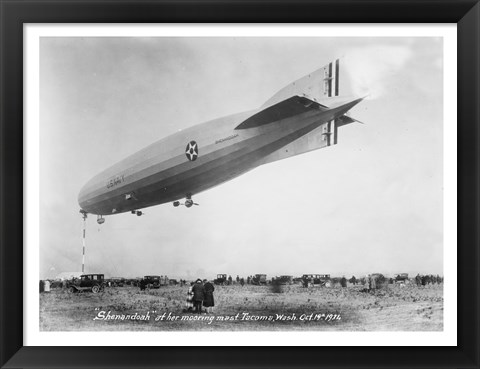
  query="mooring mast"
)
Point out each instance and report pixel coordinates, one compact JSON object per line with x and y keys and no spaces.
{"x":84,"y":216}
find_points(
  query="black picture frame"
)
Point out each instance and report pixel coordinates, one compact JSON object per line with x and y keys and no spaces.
{"x":14,"y":14}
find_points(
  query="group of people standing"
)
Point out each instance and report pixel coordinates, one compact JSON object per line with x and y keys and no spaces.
{"x":200,"y":293}
{"x":230,"y":281}
{"x":424,"y":280}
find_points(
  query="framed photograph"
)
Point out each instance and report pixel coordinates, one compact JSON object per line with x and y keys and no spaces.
{"x":239,"y":184}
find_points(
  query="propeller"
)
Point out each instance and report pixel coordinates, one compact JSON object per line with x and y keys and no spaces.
{"x":188,"y":203}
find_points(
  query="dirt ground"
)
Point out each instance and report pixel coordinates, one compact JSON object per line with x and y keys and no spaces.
{"x":248,"y":308}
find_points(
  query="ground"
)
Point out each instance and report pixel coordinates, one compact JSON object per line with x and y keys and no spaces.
{"x":248,"y":308}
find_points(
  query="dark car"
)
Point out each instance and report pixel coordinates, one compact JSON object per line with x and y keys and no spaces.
{"x":221,"y":279}
{"x":284,"y":279}
{"x":315,"y":279}
{"x":87,"y":282}
{"x":117,"y":281}
{"x":401,"y":278}
{"x":151,"y":281}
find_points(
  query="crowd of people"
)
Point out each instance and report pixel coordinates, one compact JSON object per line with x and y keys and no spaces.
{"x":238,"y":280}
{"x":424,"y":280}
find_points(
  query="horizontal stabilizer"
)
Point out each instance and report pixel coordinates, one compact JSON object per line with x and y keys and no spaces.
{"x":345,"y":119}
{"x":285,"y":109}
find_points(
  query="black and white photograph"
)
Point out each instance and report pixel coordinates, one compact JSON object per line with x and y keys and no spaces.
{"x":241,"y":184}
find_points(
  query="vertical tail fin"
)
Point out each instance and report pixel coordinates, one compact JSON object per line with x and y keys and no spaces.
{"x":318,"y":85}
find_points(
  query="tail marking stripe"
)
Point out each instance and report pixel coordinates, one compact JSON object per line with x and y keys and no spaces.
{"x":330,"y":80}
{"x":337,"y":80}
{"x":335,"y":132}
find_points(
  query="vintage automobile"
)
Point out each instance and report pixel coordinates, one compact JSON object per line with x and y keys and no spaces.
{"x":220,"y":280}
{"x":315,"y":279}
{"x":400,"y":278}
{"x":259,"y":279}
{"x":150,"y":281}
{"x":135,"y":282}
{"x":87,"y":283}
{"x":284,"y":279}
{"x":116,"y":281}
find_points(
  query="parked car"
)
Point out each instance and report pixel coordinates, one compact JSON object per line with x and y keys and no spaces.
{"x":315,"y":279}
{"x":151,"y":281}
{"x":221,"y":279}
{"x":400,"y":278}
{"x":87,"y":283}
{"x":117,"y":281}
{"x":284,"y":279}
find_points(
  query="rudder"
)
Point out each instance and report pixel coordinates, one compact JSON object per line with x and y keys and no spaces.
{"x":319,"y":85}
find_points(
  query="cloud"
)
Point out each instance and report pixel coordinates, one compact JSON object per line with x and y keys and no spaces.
{"x":371,"y":68}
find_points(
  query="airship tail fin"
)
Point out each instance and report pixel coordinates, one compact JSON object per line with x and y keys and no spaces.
{"x":287,"y":108}
{"x":326,"y":134}
{"x":318,"y":86}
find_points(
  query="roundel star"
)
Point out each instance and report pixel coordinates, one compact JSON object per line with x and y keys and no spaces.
{"x":191,"y":151}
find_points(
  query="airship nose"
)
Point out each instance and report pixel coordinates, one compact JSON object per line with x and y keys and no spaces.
{"x":85,"y":196}
{"x":82,"y":197}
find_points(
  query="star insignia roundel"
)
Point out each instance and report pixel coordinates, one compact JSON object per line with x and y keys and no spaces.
{"x":192,"y":151}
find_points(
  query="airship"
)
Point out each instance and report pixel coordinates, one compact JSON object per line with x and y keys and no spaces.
{"x":303,"y":116}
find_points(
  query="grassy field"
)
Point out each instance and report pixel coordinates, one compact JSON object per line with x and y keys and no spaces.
{"x":248,"y":308}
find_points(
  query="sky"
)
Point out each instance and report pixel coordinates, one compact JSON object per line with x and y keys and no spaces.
{"x":372,"y":203}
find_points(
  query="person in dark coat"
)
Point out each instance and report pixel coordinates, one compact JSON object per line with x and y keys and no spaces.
{"x":353,"y":280}
{"x":305,"y":282}
{"x":418,"y":280}
{"x":424,"y":280}
{"x":198,"y":295}
{"x":208,"y":302}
